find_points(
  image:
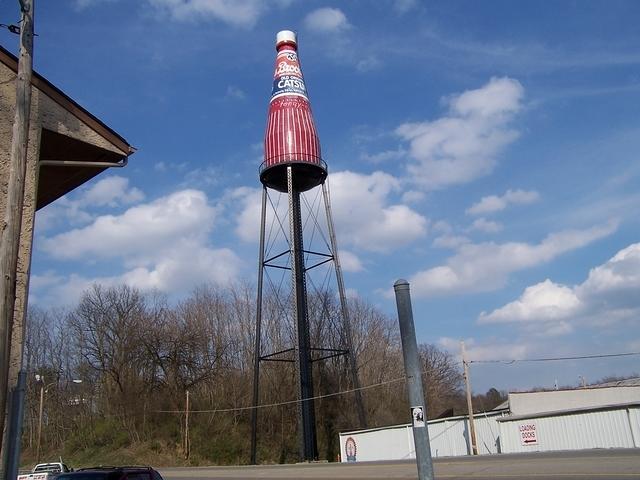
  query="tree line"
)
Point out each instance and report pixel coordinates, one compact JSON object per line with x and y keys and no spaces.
{"x":137,"y":355}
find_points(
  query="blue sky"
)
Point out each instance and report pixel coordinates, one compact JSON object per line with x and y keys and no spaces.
{"x":485,"y":151}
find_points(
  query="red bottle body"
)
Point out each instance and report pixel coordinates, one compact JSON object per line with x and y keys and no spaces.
{"x":291,"y":134}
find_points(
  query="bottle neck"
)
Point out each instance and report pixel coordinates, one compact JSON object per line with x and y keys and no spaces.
{"x":284,"y":46}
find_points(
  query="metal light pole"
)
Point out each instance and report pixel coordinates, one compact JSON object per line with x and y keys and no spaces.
{"x":43,"y":389}
{"x":414,"y":380}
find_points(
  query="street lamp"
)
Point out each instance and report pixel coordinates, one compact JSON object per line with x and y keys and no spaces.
{"x":43,"y":389}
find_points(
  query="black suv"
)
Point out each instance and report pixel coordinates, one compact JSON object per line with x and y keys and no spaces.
{"x":112,"y":473}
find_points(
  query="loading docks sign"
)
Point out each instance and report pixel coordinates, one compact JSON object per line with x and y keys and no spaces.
{"x":528,"y":433}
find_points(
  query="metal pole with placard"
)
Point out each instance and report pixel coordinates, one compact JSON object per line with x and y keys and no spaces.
{"x":413,"y":373}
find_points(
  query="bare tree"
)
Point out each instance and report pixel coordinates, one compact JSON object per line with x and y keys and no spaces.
{"x":138,"y":354}
{"x":442,"y":379}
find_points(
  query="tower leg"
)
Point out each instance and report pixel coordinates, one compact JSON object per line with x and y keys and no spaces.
{"x":346,"y":324}
{"x":306,"y":413}
{"x":257,"y":348}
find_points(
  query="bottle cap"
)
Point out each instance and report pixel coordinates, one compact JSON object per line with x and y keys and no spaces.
{"x":286,"y":36}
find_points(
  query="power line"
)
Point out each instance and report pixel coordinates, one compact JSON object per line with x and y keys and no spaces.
{"x":555,"y":359}
{"x":389,"y":382}
{"x":288,"y":402}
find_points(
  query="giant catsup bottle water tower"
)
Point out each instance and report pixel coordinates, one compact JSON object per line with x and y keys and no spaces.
{"x":291,"y":145}
{"x":293,"y":165}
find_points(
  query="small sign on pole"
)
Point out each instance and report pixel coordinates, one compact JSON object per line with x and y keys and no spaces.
{"x":417,"y":414}
{"x":528,"y":433}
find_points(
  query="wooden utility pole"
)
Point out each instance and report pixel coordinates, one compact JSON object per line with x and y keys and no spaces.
{"x":467,"y":382}
{"x":187,"y":446}
{"x":12,"y":221}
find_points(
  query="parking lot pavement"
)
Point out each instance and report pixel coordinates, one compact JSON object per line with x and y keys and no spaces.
{"x":584,"y":464}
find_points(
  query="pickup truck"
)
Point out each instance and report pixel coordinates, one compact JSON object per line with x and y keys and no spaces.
{"x":45,"y":471}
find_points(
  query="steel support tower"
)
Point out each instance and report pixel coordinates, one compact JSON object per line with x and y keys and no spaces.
{"x":293,"y":165}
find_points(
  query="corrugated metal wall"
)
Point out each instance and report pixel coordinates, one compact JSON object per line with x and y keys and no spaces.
{"x":448,"y":437}
{"x":487,"y":433}
{"x":613,"y":428}
{"x":634,"y":421}
{"x":616,"y":427}
{"x":392,"y":443}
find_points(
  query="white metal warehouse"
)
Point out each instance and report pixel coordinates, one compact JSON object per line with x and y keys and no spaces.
{"x":600,"y":416}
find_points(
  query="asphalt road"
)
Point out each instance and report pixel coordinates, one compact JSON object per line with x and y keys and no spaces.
{"x":584,"y":465}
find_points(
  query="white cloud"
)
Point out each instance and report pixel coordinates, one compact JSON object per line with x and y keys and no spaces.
{"x":545,"y":301}
{"x":386,"y":156}
{"x":615,"y":283}
{"x":622,"y":271}
{"x":242,"y":13}
{"x":465,"y":144}
{"x":350,"y":262}
{"x":326,"y":20}
{"x":249,"y":202}
{"x":362,"y":212}
{"x":144,"y":228}
{"x":111,"y":191}
{"x":186,"y":268}
{"x":486,"y":266}
{"x":239,"y":13}
{"x":494,"y":203}
{"x":162,"y":245}
{"x":202,"y":177}
{"x":450,"y":241}
{"x":608,"y":295}
{"x":364,"y":216}
{"x":486,"y":226}
{"x":51,"y":289}
{"x":351,"y":293}
{"x":413,"y":196}
{"x":62,"y":210}
{"x":175,"y":272}
{"x":72,"y":209}
{"x":485,"y":351}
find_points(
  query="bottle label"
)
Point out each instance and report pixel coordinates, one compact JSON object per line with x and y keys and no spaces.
{"x":287,"y":77}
